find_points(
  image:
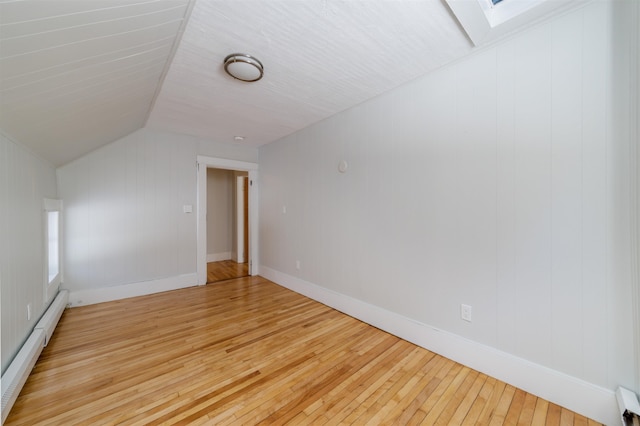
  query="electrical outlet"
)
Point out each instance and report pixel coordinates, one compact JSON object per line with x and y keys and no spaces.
{"x":465,"y":312}
{"x":28,"y":311}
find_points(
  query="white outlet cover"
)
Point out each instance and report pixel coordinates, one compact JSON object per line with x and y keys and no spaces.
{"x":465,"y":312}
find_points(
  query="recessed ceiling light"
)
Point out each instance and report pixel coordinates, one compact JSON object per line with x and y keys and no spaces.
{"x":243,"y":67}
{"x":238,"y":138}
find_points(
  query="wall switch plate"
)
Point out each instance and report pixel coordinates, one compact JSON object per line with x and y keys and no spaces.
{"x":28,"y":311}
{"x":298,"y":265}
{"x":465,"y":312}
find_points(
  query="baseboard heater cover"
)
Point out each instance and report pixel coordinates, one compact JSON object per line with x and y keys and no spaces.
{"x":51,"y":317}
{"x":629,"y":407}
{"x":16,"y":375}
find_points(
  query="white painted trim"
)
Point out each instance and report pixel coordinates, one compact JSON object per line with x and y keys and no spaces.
{"x":217,"y":257}
{"x":578,"y":395}
{"x":240,"y":249}
{"x":51,"y":286}
{"x":634,"y":172}
{"x":484,"y":22}
{"x":125,"y":291}
{"x":223,"y":163}
{"x":254,"y":210}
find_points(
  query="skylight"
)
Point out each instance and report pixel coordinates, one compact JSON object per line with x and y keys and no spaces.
{"x":487,"y":20}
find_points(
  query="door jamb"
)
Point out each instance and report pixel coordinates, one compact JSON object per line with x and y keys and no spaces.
{"x":241,"y":254}
{"x":203,"y":163}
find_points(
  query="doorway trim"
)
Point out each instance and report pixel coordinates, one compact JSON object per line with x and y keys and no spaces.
{"x":242,"y":221}
{"x":203,"y":163}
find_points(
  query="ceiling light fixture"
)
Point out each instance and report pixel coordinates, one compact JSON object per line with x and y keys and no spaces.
{"x":243,"y":67}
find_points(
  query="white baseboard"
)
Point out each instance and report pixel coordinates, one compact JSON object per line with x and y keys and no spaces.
{"x":217,"y":257}
{"x":570,"y":392}
{"x":107,"y":294}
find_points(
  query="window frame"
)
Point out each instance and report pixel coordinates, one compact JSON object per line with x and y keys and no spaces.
{"x":484,"y":21}
{"x":52,"y":284}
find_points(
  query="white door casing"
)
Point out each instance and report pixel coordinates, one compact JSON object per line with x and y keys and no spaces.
{"x":201,"y":252}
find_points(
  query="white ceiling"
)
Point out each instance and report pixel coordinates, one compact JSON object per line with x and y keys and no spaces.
{"x":75,"y":75}
{"x":320,"y":57}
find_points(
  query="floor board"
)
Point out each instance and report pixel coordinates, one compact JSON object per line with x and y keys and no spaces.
{"x":247,"y":351}
{"x":226,"y":270}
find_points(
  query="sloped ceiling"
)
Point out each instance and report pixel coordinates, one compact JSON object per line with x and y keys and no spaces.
{"x":320,"y":57}
{"x":75,"y":75}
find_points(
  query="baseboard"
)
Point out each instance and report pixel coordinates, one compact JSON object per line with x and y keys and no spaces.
{"x":570,"y":392}
{"x":217,"y":257}
{"x":107,"y":294}
{"x":18,"y":371}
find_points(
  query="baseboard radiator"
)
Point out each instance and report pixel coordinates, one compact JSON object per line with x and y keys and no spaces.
{"x":629,"y":407}
{"x":16,"y":375}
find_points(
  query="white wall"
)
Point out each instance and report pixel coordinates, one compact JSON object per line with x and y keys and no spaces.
{"x":125,"y":229}
{"x":25,"y":180}
{"x":220,"y":213}
{"x":500,"y":181}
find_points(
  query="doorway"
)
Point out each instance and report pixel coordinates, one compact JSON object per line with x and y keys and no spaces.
{"x":227,"y":224}
{"x":244,"y":247}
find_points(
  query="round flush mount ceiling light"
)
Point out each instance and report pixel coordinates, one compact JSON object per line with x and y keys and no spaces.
{"x":243,"y":67}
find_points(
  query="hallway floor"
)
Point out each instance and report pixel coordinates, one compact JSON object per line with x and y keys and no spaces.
{"x":226,"y":270}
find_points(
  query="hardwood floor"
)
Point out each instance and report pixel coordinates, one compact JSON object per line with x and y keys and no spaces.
{"x":247,"y":351}
{"x":226,"y":270}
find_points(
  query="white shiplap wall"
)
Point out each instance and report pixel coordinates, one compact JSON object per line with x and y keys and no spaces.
{"x":25,"y":180}
{"x":501,"y":181}
{"x":124,"y":219}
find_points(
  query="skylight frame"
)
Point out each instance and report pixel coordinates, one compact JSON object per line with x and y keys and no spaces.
{"x":485,"y":22}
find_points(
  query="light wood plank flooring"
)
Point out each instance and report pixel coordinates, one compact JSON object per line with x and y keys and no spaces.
{"x":247,"y":351}
{"x":226,"y":270}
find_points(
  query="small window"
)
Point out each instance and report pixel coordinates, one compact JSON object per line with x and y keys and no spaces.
{"x":53,"y":240}
{"x":53,"y":247}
